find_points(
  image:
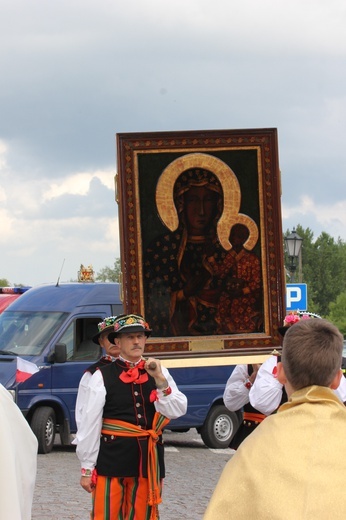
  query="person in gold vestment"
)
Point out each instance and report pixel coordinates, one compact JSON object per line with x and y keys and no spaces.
{"x":292,"y":467}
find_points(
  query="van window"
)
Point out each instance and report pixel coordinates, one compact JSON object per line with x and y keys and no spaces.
{"x":78,"y":340}
{"x":27,"y":333}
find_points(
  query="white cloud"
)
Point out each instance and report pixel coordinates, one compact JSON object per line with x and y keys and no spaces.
{"x":330,"y":218}
{"x":77,"y":184}
{"x":41,"y":225}
{"x":36,"y":253}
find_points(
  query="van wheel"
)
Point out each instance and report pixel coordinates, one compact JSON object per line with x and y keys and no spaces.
{"x":219,"y":427}
{"x":43,"y":424}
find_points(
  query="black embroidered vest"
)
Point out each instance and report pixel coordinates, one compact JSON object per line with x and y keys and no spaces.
{"x":126,"y":456}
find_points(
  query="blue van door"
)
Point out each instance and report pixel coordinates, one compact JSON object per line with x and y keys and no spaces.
{"x":58,"y":415}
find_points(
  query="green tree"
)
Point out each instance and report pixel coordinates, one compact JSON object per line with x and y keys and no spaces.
{"x":4,"y":282}
{"x":323,"y":268}
{"x":325,"y":275}
{"x":109,"y":274}
{"x":337,"y":312}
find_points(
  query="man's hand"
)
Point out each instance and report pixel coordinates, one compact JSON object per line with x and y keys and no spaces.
{"x":86,"y":484}
{"x":156,"y":373}
{"x":153,"y":367}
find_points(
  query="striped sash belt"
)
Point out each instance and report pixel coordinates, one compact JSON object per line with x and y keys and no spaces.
{"x":253,"y":417}
{"x":125,"y":429}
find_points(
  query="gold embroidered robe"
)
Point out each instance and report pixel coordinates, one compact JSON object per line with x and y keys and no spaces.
{"x":292,"y":467}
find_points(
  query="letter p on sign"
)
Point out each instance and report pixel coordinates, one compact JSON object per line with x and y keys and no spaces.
{"x":296,"y":297}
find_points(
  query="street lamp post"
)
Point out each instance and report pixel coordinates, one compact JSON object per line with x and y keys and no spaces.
{"x":293,"y":244}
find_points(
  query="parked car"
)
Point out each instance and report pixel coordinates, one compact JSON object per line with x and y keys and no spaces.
{"x":9,"y":295}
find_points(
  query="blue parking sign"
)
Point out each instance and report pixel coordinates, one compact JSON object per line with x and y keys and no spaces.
{"x":296,"y":297}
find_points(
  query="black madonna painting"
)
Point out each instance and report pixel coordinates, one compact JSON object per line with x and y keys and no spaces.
{"x":200,"y":228}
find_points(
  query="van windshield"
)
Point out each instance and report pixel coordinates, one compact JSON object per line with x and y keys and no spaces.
{"x":27,"y":333}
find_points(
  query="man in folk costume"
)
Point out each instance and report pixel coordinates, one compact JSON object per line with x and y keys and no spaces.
{"x":267,"y":393}
{"x":119,"y":441}
{"x":110,"y":351}
{"x":236,"y":396}
{"x":292,"y":466}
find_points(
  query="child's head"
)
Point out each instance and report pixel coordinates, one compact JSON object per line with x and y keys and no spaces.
{"x":239,"y":235}
{"x":312,"y":353}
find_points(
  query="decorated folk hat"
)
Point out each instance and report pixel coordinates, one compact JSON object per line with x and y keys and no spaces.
{"x":295,"y":316}
{"x":105,"y":325}
{"x":129,"y":323}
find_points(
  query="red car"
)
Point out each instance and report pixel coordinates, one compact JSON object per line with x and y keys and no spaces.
{"x":9,"y":294}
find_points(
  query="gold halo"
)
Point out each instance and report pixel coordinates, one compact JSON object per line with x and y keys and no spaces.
{"x":231,"y":196}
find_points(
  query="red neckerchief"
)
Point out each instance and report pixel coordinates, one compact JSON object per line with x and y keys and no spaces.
{"x":133,"y":375}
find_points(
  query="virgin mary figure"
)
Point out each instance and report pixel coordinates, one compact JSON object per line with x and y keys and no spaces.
{"x":181,"y":292}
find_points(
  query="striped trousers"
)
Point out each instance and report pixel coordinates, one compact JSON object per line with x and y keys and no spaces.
{"x":121,"y":498}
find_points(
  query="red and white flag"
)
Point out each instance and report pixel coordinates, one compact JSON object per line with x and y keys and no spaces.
{"x":25,"y":369}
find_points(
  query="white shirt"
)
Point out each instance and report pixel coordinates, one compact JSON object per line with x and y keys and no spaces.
{"x":88,"y":435}
{"x":266,"y":392}
{"x":236,"y":394}
{"x":82,"y":395}
{"x":341,"y":390}
{"x":18,"y":455}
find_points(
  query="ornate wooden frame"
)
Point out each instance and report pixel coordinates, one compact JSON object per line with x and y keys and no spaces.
{"x":244,"y":158}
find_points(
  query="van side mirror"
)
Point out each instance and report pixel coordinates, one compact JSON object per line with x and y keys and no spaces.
{"x":59,"y":355}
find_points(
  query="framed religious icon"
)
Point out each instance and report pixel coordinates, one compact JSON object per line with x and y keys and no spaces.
{"x":201,"y":239}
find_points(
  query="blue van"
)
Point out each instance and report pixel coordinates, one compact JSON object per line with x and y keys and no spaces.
{"x":52,"y":326}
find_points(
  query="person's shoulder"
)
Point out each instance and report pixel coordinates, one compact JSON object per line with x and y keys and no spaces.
{"x":106,"y":367}
{"x":99,"y":363}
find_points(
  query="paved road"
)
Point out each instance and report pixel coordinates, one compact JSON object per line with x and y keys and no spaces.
{"x":192,"y":471}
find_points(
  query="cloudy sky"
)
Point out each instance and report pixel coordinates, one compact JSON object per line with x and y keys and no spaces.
{"x":76,"y":72}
